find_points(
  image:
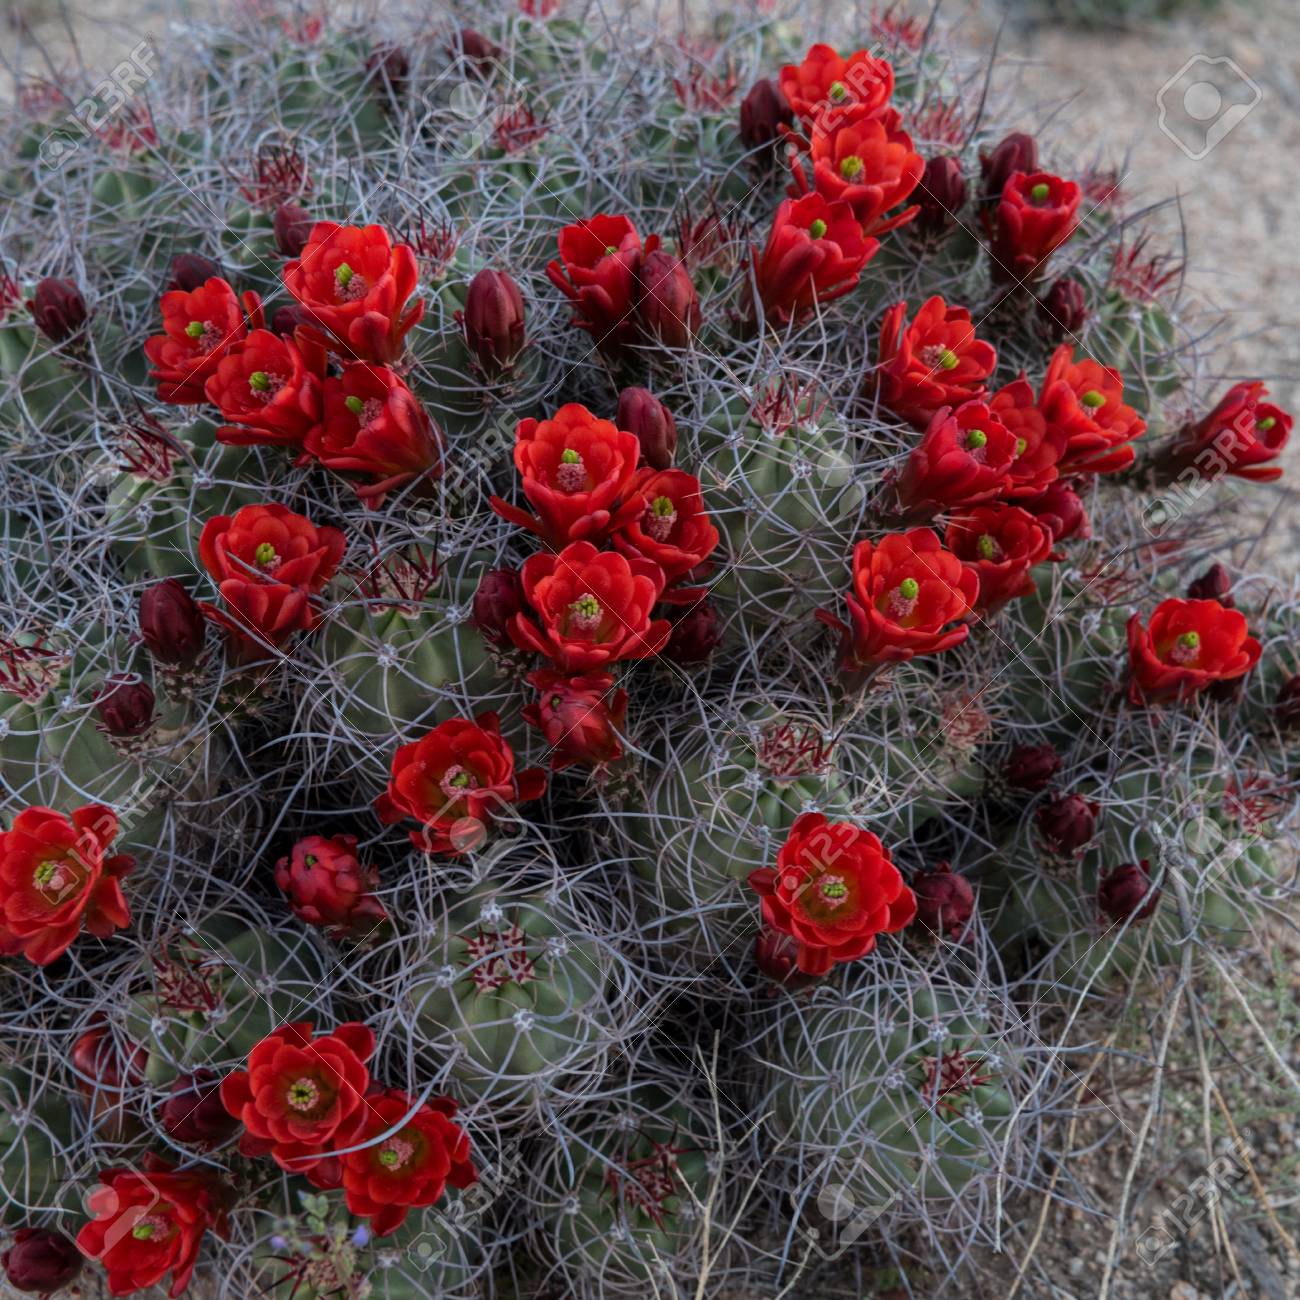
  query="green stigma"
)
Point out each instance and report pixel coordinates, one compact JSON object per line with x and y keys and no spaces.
{"x":259,"y":381}
{"x":986,"y":546}
{"x":1266,"y":423}
{"x":569,"y":457}
{"x":343,"y":274}
{"x":909,"y":589}
{"x":142,"y":1231}
{"x":310,"y":860}
{"x":851,"y":168}
{"x":586,"y":607}
{"x":1041,"y":192}
{"x":817,"y":229}
{"x":661,"y":506}
{"x":389,"y":1159}
{"x":460,"y":780}
{"x":1021,"y":444}
{"x":610,"y":250}
{"x":1190,"y":640}
{"x":195,"y":329}
{"x":838,"y":91}
{"x":1093,"y":399}
{"x":555,"y":701}
{"x":834,"y":889}
{"x":45,"y":872}
{"x":264,"y":554}
{"x":354,"y":404}
{"x":976,"y":438}
{"x":948,"y":359}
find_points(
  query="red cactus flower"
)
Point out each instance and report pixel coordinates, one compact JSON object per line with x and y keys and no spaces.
{"x":356,"y":284}
{"x":814,"y":254}
{"x":1001,"y":544}
{"x":1126,"y":894}
{"x":199,"y":328}
{"x":825,"y":90}
{"x":576,"y":472}
{"x":592,"y":608}
{"x":580,"y":718}
{"x":1187,"y":645}
{"x":152,"y":1221}
{"x":268,"y":390}
{"x":1035,"y":215}
{"x":907,"y":591}
{"x":1086,"y":401}
{"x":302,"y":1095}
{"x":597,"y":271}
{"x":868,"y":164}
{"x":673,"y":529}
{"x":329,"y":887}
{"x":642,"y":413}
{"x":455,"y":781}
{"x":194,"y":1114}
{"x":374,"y":425}
{"x":935,"y":361}
{"x":57,"y":879}
{"x":964,"y":457}
{"x":1039,"y":446}
{"x":267,"y":563}
{"x":1240,"y":436}
{"x":834,"y":888}
{"x":412,"y":1167}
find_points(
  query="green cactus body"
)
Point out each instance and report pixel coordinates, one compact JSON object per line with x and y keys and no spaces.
{"x":47,"y":394}
{"x":206,"y":998}
{"x":1140,"y":340}
{"x":35,"y":1133}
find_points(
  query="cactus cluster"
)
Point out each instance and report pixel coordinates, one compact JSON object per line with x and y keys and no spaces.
{"x":607,"y":663}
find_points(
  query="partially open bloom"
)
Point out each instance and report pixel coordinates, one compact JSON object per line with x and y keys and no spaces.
{"x":1085,"y":400}
{"x":576,"y":471}
{"x":597,"y":271}
{"x":814,"y":254}
{"x":292,"y":225}
{"x":56,"y":878}
{"x":1063,"y":309}
{"x":125,"y":705}
{"x":834,"y":889}
{"x":673,"y":529}
{"x":1001,"y":544}
{"x":580,"y":718}
{"x":907,"y":593}
{"x":1187,"y":645}
{"x":268,"y":390}
{"x":826,"y":90}
{"x":590,"y":608}
{"x":696,"y":633}
{"x":190,"y":271}
{"x":199,"y":327}
{"x":151,"y":1221}
{"x":409,"y":1169}
{"x":935,"y":361}
{"x":1241,"y":436}
{"x":1039,"y":446}
{"x":1035,"y":215}
{"x":456,"y":781}
{"x":329,"y":887}
{"x":964,"y":457}
{"x":1125,"y":894}
{"x":1017,"y":152}
{"x":869,"y":164}
{"x":302,"y":1095}
{"x":356,"y":283}
{"x":375,"y":426}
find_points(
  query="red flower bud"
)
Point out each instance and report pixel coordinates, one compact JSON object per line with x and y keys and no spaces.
{"x":1018,"y":152}
{"x":125,"y":704}
{"x":493,"y":321}
{"x":286,"y":320}
{"x":1126,"y":892}
{"x":1063,"y":310}
{"x":775,"y":954}
{"x":193,"y":1113}
{"x":498,"y":599}
{"x":474,"y":47}
{"x":190,"y":271}
{"x":1067,"y":823}
{"x":763,"y":112}
{"x":292,"y":225}
{"x":668,"y":306}
{"x":58,"y":309}
{"x":1214,"y":584}
{"x":944,"y":901}
{"x":1032,"y":767}
{"x":941,"y":194}
{"x":1288,"y":703}
{"x":391,"y":70}
{"x":1060,"y":508}
{"x":580,"y":718}
{"x":328,"y":886}
{"x":695,"y":635}
{"x":101,"y":1065}
{"x":40,"y":1261}
{"x":171,"y":623}
{"x":641,"y":413}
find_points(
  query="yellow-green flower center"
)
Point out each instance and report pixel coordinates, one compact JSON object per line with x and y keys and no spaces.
{"x":264,"y":554}
{"x":343,"y":274}
{"x":195,"y":329}
{"x":1266,"y":424}
{"x":987,"y":546}
{"x":569,"y":457}
{"x":817,"y":229}
{"x":909,"y":588}
{"x":354,"y":404}
{"x":948,"y":359}
{"x":1092,"y":399}
{"x":1041,"y":192}
{"x":1021,"y":444}
{"x":838,"y":91}
{"x":259,"y":381}
{"x":976,"y":438}
{"x":852,"y":167}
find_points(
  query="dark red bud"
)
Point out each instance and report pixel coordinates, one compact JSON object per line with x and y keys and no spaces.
{"x":102,"y":1064}
{"x":944,"y":901}
{"x":941,"y":194}
{"x":58,"y":309}
{"x":1214,"y":584}
{"x":493,"y":321}
{"x":286,"y":320}
{"x":1018,"y":152}
{"x":474,"y":47}
{"x":694,"y":636}
{"x":763,"y":112}
{"x":292,"y":225}
{"x":1059,"y":508}
{"x":1032,"y":767}
{"x":1288,"y":704}
{"x":774,"y":955}
{"x":498,"y":599}
{"x":1127,"y":891}
{"x":1063,"y":310}
{"x":40,"y":1261}
{"x":125,"y":704}
{"x":171,"y":623}
{"x":669,"y":306}
{"x":190,"y":271}
{"x":391,"y":69}
{"x":1068,"y":822}
{"x":642,"y":413}
{"x":193,"y":1113}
